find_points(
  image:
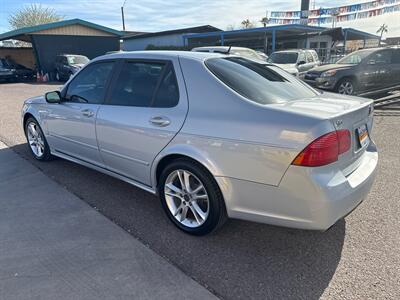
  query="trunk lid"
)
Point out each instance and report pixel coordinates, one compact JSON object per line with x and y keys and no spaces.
{"x":344,"y":112}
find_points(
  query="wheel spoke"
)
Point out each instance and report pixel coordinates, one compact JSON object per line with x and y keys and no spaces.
{"x":174,"y":188}
{"x":198,"y":189}
{"x":184,"y":213}
{"x":173,"y":195}
{"x":33,"y":130}
{"x":177,"y":210}
{"x":181,"y":180}
{"x":200,"y":197}
{"x":186,"y":178}
{"x":198,"y":212}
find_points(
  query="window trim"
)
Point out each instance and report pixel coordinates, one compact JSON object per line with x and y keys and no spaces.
{"x":123,"y":61}
{"x":107,"y":86}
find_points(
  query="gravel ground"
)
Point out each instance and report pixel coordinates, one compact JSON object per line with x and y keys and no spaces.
{"x":358,"y":258}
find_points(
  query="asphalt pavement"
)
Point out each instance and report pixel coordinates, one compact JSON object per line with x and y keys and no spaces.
{"x":358,"y":258}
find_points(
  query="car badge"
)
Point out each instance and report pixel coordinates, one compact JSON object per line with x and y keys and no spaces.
{"x":339,"y":123}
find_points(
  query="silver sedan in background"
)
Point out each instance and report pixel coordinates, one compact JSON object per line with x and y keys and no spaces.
{"x":214,"y":136}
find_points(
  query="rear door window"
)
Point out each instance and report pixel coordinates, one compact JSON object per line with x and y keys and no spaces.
{"x":145,"y":84}
{"x":396,"y":56}
{"x":258,"y":82}
{"x":381,"y":57}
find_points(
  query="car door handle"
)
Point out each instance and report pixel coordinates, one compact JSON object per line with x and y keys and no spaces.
{"x":160,"y":121}
{"x":87,"y":113}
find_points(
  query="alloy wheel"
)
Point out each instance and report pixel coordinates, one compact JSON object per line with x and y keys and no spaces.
{"x":35,"y":139}
{"x":186,"y":198}
{"x":346,"y":88}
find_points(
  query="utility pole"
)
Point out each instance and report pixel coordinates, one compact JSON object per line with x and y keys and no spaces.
{"x":123,"y":16}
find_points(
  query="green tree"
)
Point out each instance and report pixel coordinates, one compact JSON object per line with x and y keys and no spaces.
{"x":33,"y":14}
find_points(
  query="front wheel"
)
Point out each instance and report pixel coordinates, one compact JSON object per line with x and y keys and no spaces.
{"x":191,"y":198}
{"x":37,"y":141}
{"x":346,"y":86}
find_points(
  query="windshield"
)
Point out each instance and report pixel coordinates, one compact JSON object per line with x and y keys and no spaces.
{"x":354,"y":58}
{"x":77,"y":60}
{"x":283,"y":57}
{"x":259,"y":82}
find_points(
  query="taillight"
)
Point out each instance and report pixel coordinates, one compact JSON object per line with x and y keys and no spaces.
{"x":325,"y":149}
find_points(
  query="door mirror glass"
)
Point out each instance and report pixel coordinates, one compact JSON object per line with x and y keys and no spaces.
{"x":302,"y":62}
{"x":53,"y":97}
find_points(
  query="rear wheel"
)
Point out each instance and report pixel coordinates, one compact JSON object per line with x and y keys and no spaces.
{"x":191,"y":198}
{"x":37,"y":141}
{"x":346,"y":86}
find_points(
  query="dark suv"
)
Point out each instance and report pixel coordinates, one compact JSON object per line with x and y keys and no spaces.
{"x":361,"y":71}
{"x":68,"y":64}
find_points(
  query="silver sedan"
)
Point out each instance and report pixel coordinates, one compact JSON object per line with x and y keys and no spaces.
{"x":214,"y":136}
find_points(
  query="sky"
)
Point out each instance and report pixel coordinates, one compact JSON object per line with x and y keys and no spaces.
{"x":158,"y":15}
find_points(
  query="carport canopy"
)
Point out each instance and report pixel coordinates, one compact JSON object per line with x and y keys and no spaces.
{"x":274,"y":33}
{"x":73,"y":36}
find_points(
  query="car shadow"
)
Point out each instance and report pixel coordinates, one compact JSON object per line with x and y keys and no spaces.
{"x":242,"y":260}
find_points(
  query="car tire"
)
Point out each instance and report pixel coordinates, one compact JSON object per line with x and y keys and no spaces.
{"x":346,"y":86}
{"x":37,"y":141}
{"x":197,"y":213}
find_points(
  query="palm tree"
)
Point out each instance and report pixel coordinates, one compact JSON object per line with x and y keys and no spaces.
{"x":246,"y":23}
{"x":383,"y":29}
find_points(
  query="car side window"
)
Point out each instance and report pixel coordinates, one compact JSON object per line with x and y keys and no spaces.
{"x":309,"y":57}
{"x":89,"y":86}
{"x":137,"y":84}
{"x":381,"y":57}
{"x":302,"y":57}
{"x":396,"y":56}
{"x":168,"y":91}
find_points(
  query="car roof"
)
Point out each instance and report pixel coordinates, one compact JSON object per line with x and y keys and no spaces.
{"x":294,"y":50}
{"x":220,"y":48}
{"x":160,"y":54}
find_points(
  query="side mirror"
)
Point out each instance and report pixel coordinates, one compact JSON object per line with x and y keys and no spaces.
{"x":53,"y":97}
{"x":302,"y":62}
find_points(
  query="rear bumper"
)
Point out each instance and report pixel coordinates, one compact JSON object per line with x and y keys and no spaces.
{"x":306,"y":198}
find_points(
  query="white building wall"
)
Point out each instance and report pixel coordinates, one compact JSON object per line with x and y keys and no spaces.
{"x":164,"y":40}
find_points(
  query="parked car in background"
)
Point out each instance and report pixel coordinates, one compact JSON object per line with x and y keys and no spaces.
{"x":295,"y":61}
{"x":360,"y":71}
{"x":11,"y":71}
{"x":215,"y":136}
{"x":68,"y":64}
{"x":242,"y":51}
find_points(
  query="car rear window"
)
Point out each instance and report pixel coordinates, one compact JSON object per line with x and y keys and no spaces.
{"x":259,"y":82}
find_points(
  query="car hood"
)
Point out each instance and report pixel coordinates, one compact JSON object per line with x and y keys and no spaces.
{"x":324,"y":106}
{"x":331,"y":67}
{"x":36,"y":100}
